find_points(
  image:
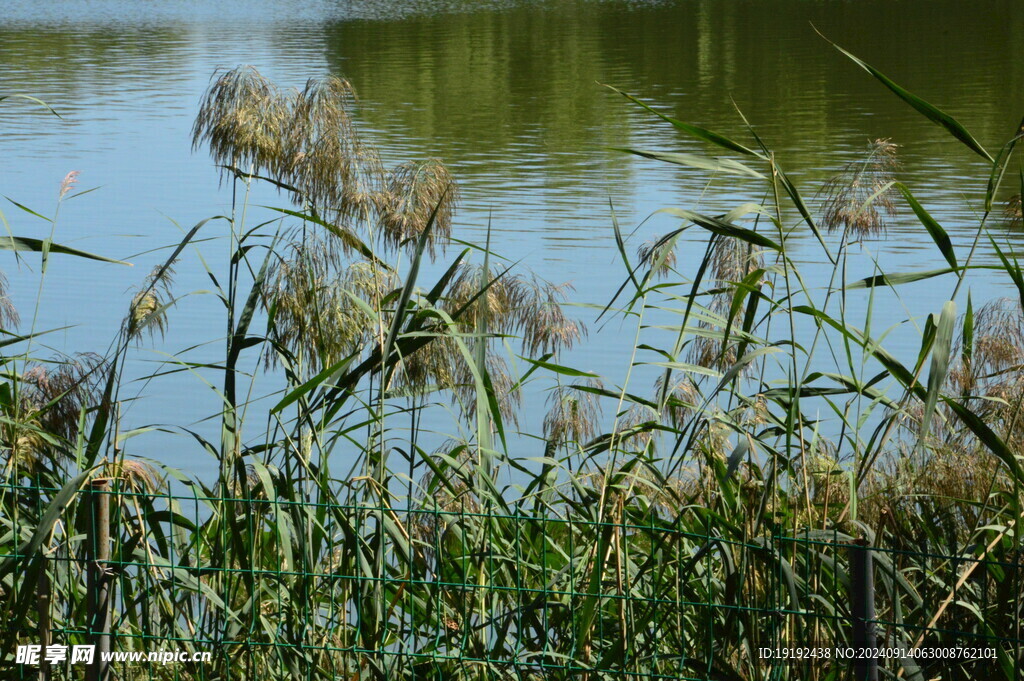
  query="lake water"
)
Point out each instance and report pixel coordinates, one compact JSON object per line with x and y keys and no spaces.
{"x":508,"y":95}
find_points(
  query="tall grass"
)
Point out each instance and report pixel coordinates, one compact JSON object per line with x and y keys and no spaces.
{"x":662,"y":531}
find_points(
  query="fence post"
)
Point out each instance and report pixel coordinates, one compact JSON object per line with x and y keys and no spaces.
{"x":98,"y":582}
{"x":862,"y":608}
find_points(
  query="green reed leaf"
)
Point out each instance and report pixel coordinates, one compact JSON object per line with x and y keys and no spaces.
{"x":22,"y":243}
{"x":898,"y":278}
{"x":995,"y":178}
{"x":558,"y":368}
{"x":941,"y":348}
{"x":695,"y":131}
{"x":929,"y":111}
{"x":938,"y":234}
{"x":713,"y":164}
{"x":719,"y":226}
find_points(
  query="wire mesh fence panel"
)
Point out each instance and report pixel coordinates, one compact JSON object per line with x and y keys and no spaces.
{"x":253,"y":586}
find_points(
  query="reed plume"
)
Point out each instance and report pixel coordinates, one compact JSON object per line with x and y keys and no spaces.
{"x":730,"y":261}
{"x":315,"y":316}
{"x":68,"y":183}
{"x":573,"y":414}
{"x":659,"y":254}
{"x":860,"y":196}
{"x":9,"y":317}
{"x":147,"y":312}
{"x":241,"y":117}
{"x":513,"y":304}
{"x":412,"y":193}
{"x":682,"y":398}
{"x":1012,"y":213}
{"x":53,"y":399}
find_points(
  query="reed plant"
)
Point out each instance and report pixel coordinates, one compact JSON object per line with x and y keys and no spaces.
{"x":661,"y":532}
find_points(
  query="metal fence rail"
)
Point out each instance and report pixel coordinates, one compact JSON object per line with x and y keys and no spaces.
{"x":269,"y":588}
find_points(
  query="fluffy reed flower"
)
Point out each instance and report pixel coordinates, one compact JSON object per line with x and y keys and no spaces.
{"x":573,"y":414}
{"x":511,"y":304}
{"x":714,"y":439}
{"x":25,"y":445}
{"x":411,"y":194}
{"x":637,"y":415}
{"x":1012,"y":212}
{"x":655,"y":250}
{"x":682,"y":398}
{"x":514,"y":304}
{"x":545,"y":327}
{"x":9,"y":317}
{"x":306,"y":140}
{"x":320,"y":111}
{"x":990,"y":374}
{"x":825,"y":474}
{"x":433,"y":366}
{"x":441,"y":365}
{"x":369,"y":281}
{"x":756,"y":412}
{"x":499,"y":304}
{"x":857,"y":197}
{"x":731,"y":260}
{"x":314,"y":315}
{"x":321,"y":144}
{"x":506,"y":392}
{"x":241,"y":118}
{"x":134,"y":475}
{"x":363,"y":182}
{"x":148,"y":309}
{"x":68,"y":183}
{"x":997,"y":349}
{"x":53,"y":397}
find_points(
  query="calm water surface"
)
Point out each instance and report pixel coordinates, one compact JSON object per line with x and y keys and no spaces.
{"x":507,"y":94}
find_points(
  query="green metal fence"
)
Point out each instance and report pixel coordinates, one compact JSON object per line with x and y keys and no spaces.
{"x":272,"y":589}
